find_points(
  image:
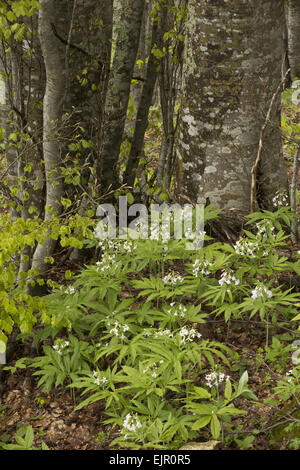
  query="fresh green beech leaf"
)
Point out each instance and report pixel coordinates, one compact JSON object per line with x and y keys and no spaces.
{"x":2,"y":347}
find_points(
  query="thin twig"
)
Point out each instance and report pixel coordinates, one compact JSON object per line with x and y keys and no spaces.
{"x":260,"y":147}
{"x":68,"y":51}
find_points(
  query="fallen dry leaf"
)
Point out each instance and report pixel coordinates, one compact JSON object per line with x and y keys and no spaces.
{"x":209,"y":445}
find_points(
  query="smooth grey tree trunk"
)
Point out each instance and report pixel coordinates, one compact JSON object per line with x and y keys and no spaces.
{"x":53,"y":54}
{"x":75,"y":38}
{"x":233,"y":60}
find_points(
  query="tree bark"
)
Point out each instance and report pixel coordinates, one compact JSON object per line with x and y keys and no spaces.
{"x":145,"y":102}
{"x":233,"y":60}
{"x":53,"y":54}
{"x":119,"y":89}
{"x":293,"y":23}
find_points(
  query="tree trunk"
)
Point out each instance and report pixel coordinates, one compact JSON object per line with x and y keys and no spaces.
{"x":53,"y":54}
{"x":293,"y":23}
{"x":233,"y":60}
{"x":119,"y":88}
{"x":145,"y":102}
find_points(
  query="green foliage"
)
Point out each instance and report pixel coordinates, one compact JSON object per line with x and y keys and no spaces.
{"x":17,"y":306}
{"x":62,"y":362}
{"x":24,"y":440}
{"x":127,"y":331}
{"x":148,"y":355}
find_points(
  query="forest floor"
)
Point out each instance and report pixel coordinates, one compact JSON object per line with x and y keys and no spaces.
{"x":55,"y":422}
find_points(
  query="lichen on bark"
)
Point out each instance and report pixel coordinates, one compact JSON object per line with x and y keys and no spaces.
{"x":233,"y":57}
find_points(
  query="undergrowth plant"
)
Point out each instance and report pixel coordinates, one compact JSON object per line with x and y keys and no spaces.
{"x":140,"y":314}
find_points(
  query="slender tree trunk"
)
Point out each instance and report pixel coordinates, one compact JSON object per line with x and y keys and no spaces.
{"x":145,"y":102}
{"x":293,"y":23}
{"x":169,"y":85}
{"x":119,"y":88}
{"x":24,"y":82}
{"x":52,"y":112}
{"x":233,"y":61}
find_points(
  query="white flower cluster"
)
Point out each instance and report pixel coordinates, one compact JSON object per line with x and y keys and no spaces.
{"x":173,"y":278}
{"x":118,"y":329}
{"x":245,"y":247}
{"x":280,"y":200}
{"x":177,"y":311}
{"x":167,"y":333}
{"x":106,"y":263}
{"x":132,"y":422}
{"x":202,"y":267}
{"x":70,"y":290}
{"x":98,"y":380}
{"x":261,"y":291}
{"x":109,"y":244}
{"x":215,"y":378}
{"x":153,"y":369}
{"x":262,"y":229}
{"x":188,"y":334}
{"x":61,"y":346}
{"x":228,"y":278}
{"x":129,"y":245}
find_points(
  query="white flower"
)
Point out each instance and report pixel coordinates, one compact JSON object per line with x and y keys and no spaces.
{"x":118,"y":329}
{"x":173,"y":278}
{"x":60,"y":346}
{"x":201,"y":266}
{"x":245,"y":247}
{"x":177,"y":311}
{"x":98,"y":380}
{"x":188,"y":334}
{"x":167,"y":333}
{"x":228,"y":278}
{"x":215,"y":378}
{"x":260,"y":291}
{"x":106,"y":263}
{"x":70,"y":290}
{"x":132,"y":423}
{"x":280,"y":199}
